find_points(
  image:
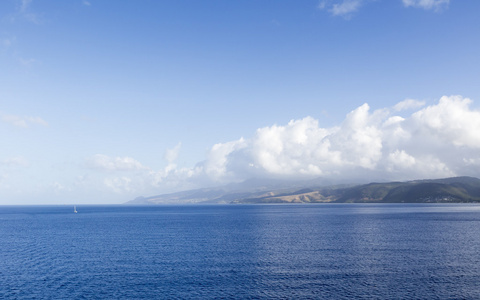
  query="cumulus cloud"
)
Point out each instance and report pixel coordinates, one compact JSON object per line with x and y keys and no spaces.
{"x":439,"y":140}
{"x":435,"y":141}
{"x":451,"y":122}
{"x":215,"y":167}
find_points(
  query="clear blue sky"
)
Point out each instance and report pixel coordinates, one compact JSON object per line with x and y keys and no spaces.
{"x":103,"y":101}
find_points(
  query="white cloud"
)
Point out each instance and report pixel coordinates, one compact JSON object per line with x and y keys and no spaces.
{"x":346,"y":8}
{"x":400,"y":159}
{"x":427,"y":4}
{"x":107,"y":163}
{"x":451,"y":121}
{"x":438,"y":140}
{"x":23,"y":122}
{"x":128,"y":176}
{"x":408,"y":104}
{"x":215,"y":167}
{"x":119,"y":184}
{"x":86,"y":3}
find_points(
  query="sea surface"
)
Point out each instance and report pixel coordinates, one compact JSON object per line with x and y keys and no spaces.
{"x":322,"y":251}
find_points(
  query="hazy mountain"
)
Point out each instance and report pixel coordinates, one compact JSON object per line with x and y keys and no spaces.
{"x":252,"y":188}
{"x":456,"y":189}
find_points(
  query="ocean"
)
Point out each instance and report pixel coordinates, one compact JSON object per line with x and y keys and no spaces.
{"x":321,"y":251}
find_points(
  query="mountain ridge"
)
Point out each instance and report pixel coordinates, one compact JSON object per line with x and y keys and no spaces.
{"x":444,"y":190}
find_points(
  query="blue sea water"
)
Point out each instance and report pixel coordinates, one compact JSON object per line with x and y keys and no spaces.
{"x":333,"y":251}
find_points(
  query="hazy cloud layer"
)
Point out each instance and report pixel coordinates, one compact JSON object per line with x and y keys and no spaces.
{"x":427,"y":4}
{"x":24,"y":12}
{"x":172,"y":154}
{"x":341,"y":8}
{"x":16,"y":161}
{"x":6,"y":43}
{"x":23,"y":122}
{"x":345,"y":8}
{"x":106,"y":163}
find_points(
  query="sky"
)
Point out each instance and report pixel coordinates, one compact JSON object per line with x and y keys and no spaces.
{"x":105,"y":101}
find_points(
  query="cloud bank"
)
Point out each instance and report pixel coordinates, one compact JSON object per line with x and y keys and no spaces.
{"x":439,"y":140}
{"x":436,"y":141}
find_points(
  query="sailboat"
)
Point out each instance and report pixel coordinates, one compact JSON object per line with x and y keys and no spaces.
{"x":75,"y":209}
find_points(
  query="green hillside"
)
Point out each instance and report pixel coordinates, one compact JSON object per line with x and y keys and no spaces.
{"x":456,"y":189}
{"x":446,"y":190}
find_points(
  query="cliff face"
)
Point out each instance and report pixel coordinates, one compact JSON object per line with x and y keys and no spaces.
{"x":456,"y":189}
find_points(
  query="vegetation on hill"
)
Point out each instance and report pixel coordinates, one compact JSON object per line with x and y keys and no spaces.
{"x":455,"y":189}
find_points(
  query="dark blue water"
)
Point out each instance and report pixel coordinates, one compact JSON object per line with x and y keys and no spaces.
{"x":259,"y":251}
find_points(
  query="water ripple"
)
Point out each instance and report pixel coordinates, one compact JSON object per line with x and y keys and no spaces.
{"x":246,"y":252}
